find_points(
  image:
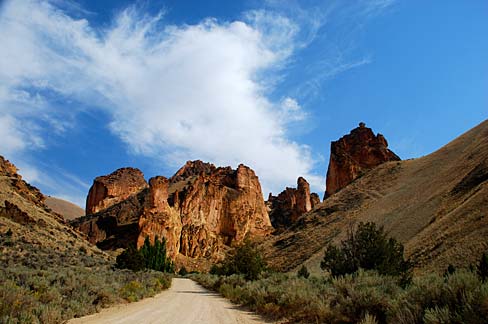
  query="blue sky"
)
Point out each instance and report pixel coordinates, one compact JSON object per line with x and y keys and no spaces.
{"x":87,"y":86}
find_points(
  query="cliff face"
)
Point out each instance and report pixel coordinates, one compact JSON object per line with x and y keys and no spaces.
{"x":199,"y":211}
{"x":291,"y":203}
{"x":158,"y":219}
{"x":111,"y":189}
{"x":354,"y":154}
{"x":220,"y":208}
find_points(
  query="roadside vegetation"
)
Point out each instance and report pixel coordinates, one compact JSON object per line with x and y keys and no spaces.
{"x":372,"y":285}
{"x":42,"y":285}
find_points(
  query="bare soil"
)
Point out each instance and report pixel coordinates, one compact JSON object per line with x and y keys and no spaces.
{"x":185,"y":302}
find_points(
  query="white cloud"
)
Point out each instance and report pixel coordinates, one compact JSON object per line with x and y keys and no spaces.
{"x":291,"y":111}
{"x":173,"y":92}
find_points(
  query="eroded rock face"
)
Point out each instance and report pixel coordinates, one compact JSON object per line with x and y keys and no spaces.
{"x":220,"y":208}
{"x":353,"y":155}
{"x":290,"y":204}
{"x":158,"y":219}
{"x":191,"y":169}
{"x":111,"y":189}
{"x":199,"y":211}
{"x":29,"y":192}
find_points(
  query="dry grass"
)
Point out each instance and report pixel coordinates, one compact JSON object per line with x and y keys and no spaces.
{"x":363,"y":298}
{"x":49,"y":273}
{"x":65,"y":208}
{"x":42,"y":285}
{"x":435,"y":205}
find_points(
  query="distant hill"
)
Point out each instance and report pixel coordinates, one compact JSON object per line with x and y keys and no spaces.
{"x":436,"y":205}
{"x":65,"y":208}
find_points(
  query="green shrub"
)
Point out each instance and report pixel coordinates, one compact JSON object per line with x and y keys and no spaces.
{"x":363,"y":297}
{"x":246,"y":260}
{"x":57,"y":294}
{"x":482,"y":267}
{"x":366,"y":248}
{"x":183,"y":272}
{"x":450,"y":270}
{"x":130,"y":259}
{"x":303,"y":272}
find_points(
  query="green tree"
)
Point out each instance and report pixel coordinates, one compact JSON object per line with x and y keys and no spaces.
{"x":367,"y":248}
{"x":246,"y":260}
{"x":150,"y":256}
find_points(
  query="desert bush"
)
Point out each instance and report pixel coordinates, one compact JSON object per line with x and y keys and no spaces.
{"x":482,"y":267}
{"x":363,"y":297}
{"x":54,"y":295}
{"x":366,"y":248}
{"x":183,"y":272}
{"x":303,"y":272}
{"x":246,"y":260}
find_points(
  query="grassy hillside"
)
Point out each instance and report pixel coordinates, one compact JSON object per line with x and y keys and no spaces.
{"x":48,"y":272}
{"x":436,"y":205}
{"x":65,"y":208}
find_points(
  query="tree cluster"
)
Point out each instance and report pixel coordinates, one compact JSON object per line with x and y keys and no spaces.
{"x":149,"y":256}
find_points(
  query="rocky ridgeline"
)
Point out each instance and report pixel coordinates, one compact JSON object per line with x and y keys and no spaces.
{"x":203,"y":209}
{"x":353,"y":155}
{"x":27,"y":191}
{"x":199,"y":211}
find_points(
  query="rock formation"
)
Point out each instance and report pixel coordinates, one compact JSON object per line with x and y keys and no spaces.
{"x":14,"y":213}
{"x":199,"y":211}
{"x":158,"y":219}
{"x":27,"y":191}
{"x":291,"y":203}
{"x":353,"y":155}
{"x":314,"y":199}
{"x":111,"y":189}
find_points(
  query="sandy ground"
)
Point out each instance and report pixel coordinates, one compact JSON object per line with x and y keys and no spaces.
{"x":185,"y":302}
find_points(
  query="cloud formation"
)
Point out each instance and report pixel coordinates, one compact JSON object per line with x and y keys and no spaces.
{"x":173,"y":92}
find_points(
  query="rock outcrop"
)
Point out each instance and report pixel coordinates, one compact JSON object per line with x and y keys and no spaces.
{"x":111,"y":189}
{"x":27,"y":191}
{"x":353,"y":155}
{"x":158,"y":219}
{"x":13,"y":212}
{"x":291,"y":203}
{"x":191,"y":169}
{"x":199,"y":211}
{"x":314,"y":199}
{"x":220,"y":208}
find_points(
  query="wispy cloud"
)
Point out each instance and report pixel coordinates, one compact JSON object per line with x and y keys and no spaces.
{"x":174,"y":92}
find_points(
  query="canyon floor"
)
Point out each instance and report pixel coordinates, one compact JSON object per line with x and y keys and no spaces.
{"x":185,"y":302}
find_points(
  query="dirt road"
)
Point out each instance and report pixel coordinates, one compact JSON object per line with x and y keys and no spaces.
{"x":185,"y":302}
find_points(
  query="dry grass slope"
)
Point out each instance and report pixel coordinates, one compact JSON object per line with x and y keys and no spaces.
{"x":50,"y":272}
{"x":65,"y":208}
{"x":436,"y":205}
